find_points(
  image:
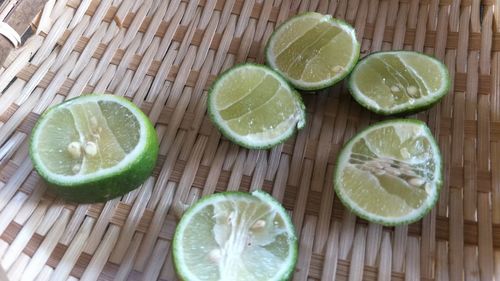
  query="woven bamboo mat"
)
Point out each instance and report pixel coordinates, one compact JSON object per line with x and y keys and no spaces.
{"x":163,"y":55}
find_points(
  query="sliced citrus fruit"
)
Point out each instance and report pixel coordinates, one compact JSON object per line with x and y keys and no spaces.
{"x":255,"y":107}
{"x":313,"y":51}
{"x":396,"y":82}
{"x":390,"y":173}
{"x":234,"y":236}
{"x":93,"y":148}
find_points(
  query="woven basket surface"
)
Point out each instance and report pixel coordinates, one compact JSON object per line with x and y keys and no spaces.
{"x":164,"y":55}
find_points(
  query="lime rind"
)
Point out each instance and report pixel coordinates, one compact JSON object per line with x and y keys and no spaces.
{"x":415,"y":215}
{"x":256,"y":141}
{"x":307,"y":86}
{"x":109,"y":182}
{"x":287,"y":268}
{"x":406,"y":108}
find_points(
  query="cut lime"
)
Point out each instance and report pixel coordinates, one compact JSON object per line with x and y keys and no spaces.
{"x":255,"y":107}
{"x":390,"y":173}
{"x":398,"y":82}
{"x":313,"y":51}
{"x":233,"y":236}
{"x":94,"y":148}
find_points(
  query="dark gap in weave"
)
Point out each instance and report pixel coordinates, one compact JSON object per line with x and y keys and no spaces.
{"x":148,"y":90}
{"x":481,"y":13}
{"x":29,"y":32}
{"x":8,"y":85}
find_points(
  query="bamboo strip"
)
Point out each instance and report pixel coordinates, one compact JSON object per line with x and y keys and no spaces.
{"x":22,"y":238}
{"x":44,"y":275}
{"x":3,"y":275}
{"x":101,"y":254}
{"x":384,"y":271}
{"x":281,"y":178}
{"x":155,"y":227}
{"x":18,"y":268}
{"x":358,"y":255}
{"x":305,"y":248}
{"x":456,"y":245}
{"x":132,"y":221}
{"x":471,"y":264}
{"x":324,"y":217}
{"x":70,"y":257}
{"x":126,"y":265}
{"x":442,"y":261}
{"x":41,"y":256}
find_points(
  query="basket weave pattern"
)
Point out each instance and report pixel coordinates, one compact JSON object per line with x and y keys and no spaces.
{"x":163,"y":55}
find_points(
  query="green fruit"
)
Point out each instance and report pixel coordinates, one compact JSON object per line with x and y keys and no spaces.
{"x":390,"y":173}
{"x":93,"y":148}
{"x":235,"y":236}
{"x":313,"y":51}
{"x":398,"y":82}
{"x":255,"y":107}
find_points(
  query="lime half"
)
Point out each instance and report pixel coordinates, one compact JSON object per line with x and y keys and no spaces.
{"x":313,"y":51}
{"x":390,"y":173}
{"x":399,"y":82}
{"x":94,"y":148}
{"x":255,"y":107}
{"x":233,"y":236}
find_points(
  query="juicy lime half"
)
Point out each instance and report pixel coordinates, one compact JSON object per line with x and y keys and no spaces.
{"x":93,"y":148}
{"x":234,"y":236}
{"x":390,"y":173}
{"x":399,"y":82}
{"x":255,"y":107}
{"x":313,"y":51}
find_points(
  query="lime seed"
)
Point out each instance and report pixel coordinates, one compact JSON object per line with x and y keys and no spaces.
{"x":215,"y":255}
{"x":90,"y":148}
{"x":412,"y":90}
{"x":416,"y":181}
{"x":76,"y":168}
{"x":75,"y":149}
{"x":338,"y":68}
{"x":258,"y":225}
{"x":93,"y":122}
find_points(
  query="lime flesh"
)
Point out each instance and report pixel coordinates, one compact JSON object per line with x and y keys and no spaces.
{"x":398,"y":82}
{"x":94,"y":147}
{"x":254,"y":107}
{"x":235,"y":236}
{"x":390,"y":173}
{"x":313,"y":51}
